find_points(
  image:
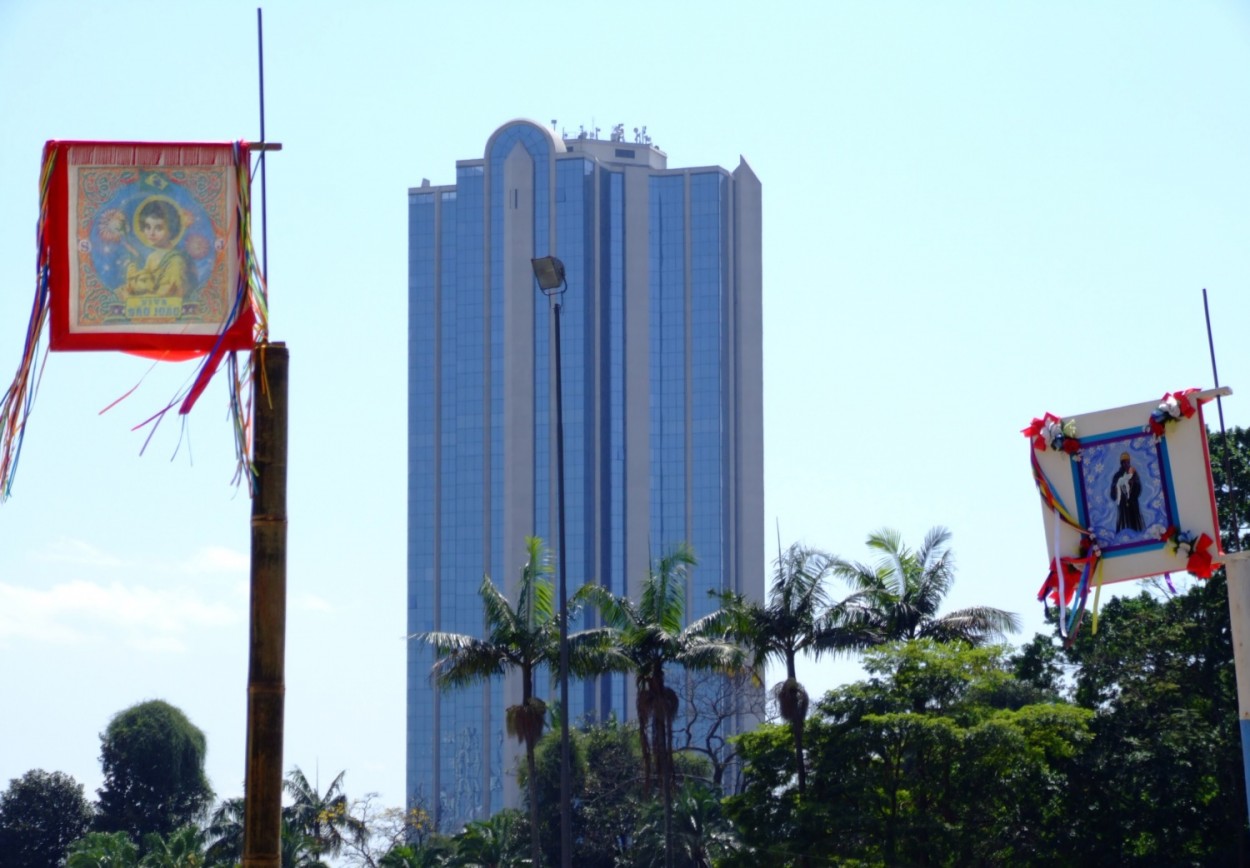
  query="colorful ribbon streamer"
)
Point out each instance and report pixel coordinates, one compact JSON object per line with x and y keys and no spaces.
{"x":19,"y":397}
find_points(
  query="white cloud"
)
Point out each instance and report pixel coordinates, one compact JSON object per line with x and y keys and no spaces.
{"x":313,"y":603}
{"x":75,"y":551}
{"x":79,"y":612}
{"x":216,"y":559}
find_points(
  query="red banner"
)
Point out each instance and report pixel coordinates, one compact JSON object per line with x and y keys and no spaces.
{"x":144,"y":249}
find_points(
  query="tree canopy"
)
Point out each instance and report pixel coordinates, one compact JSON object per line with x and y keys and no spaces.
{"x":41,"y":814}
{"x":153,"y":762}
{"x":927,"y":762}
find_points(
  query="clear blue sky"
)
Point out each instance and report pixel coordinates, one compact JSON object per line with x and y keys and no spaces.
{"x":974,"y":212}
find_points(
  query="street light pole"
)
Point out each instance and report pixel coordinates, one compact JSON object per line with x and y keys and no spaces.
{"x":549,"y":272}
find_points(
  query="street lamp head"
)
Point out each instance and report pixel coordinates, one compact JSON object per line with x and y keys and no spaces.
{"x":549,"y":271}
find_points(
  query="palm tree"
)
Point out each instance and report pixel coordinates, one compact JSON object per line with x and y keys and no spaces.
{"x":298,"y":848}
{"x":181,"y":848}
{"x":103,"y":850}
{"x":520,"y":639}
{"x":648,"y":637}
{"x":225,"y":831}
{"x":322,"y":819}
{"x":903,"y":590}
{"x":799,"y":617}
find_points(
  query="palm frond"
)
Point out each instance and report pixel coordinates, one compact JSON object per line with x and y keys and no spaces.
{"x":442,"y":642}
{"x":616,"y":612}
{"x":664,"y":592}
{"x":465,"y":659}
{"x":714,"y":655}
{"x":718,"y":623}
{"x":935,"y":545}
{"x":858,"y":576}
{"x":590,"y":655}
{"x":975,"y":625}
{"x":800,"y":576}
{"x":534,"y":597}
{"x":935,"y":571}
{"x":501,"y":619}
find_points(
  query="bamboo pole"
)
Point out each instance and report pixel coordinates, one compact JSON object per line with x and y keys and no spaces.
{"x":266,"y":688}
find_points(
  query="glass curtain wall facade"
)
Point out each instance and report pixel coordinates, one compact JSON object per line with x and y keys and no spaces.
{"x":662,"y":375}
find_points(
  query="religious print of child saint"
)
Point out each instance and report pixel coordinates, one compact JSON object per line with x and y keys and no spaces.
{"x":1130,"y":489}
{"x":152,"y":249}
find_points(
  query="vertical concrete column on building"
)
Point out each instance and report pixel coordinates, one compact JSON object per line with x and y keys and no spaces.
{"x":747,"y":505}
{"x":748,"y":291}
{"x":597,"y":438}
{"x":519,"y":297}
{"x":687,"y":399}
{"x":436,"y":731}
{"x":637,"y":305}
{"x":729,"y":395}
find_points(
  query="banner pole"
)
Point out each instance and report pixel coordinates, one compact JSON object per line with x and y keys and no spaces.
{"x":266,"y":687}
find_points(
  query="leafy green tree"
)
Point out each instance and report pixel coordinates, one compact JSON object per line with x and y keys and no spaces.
{"x":928,"y":762}
{"x":41,"y":814}
{"x":607,"y":792}
{"x":434,"y":853}
{"x":153,"y":762}
{"x":498,"y":842}
{"x":701,"y":835}
{"x":903,"y":590}
{"x":1230,"y":470}
{"x":103,"y":850}
{"x":1165,"y":766}
{"x":766,"y":813}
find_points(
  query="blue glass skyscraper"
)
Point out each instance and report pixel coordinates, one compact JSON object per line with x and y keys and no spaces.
{"x":663,"y":410}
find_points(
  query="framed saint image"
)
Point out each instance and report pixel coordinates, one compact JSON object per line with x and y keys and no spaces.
{"x":1125,"y":486}
{"x":1133,"y":485}
{"x":144,"y":246}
